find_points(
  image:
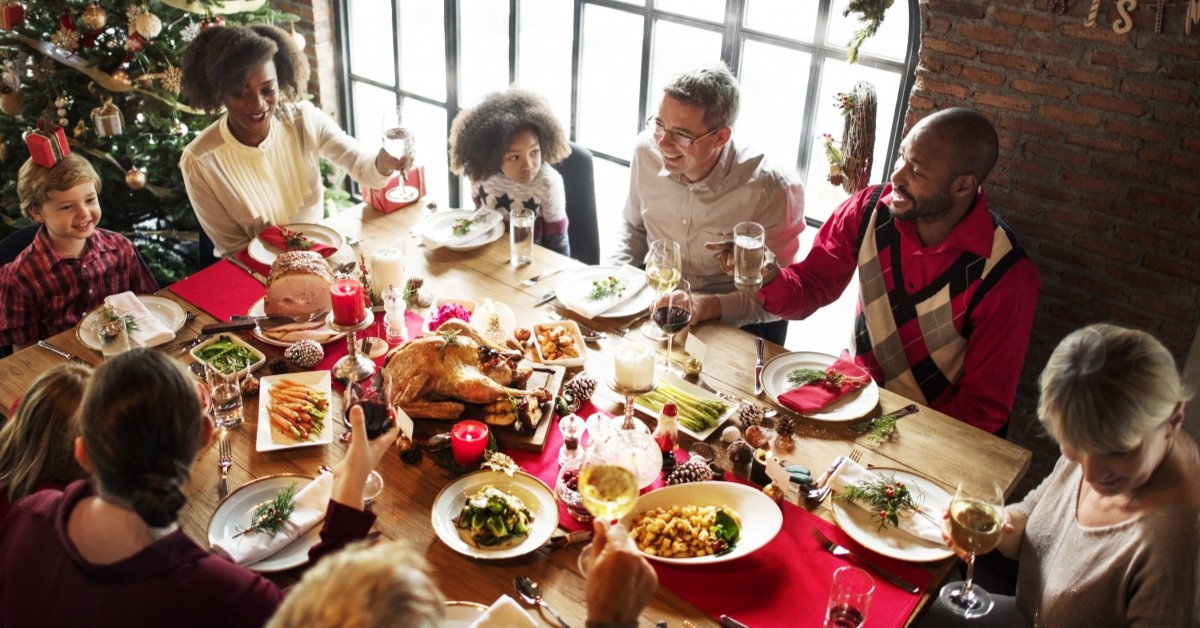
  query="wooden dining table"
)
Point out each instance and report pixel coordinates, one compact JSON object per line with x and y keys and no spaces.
{"x":928,"y":443}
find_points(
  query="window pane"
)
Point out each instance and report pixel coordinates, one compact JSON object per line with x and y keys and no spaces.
{"x":678,"y":48}
{"x":838,"y":76}
{"x":890,"y":42}
{"x":370,"y":103}
{"x":711,"y":10}
{"x":772,"y":115}
{"x":428,"y":123}
{"x":609,"y":80}
{"x":544,"y":62}
{"x":370,"y":23}
{"x":422,"y":44}
{"x":612,"y":189}
{"x":483,"y":49}
{"x":786,"y":18}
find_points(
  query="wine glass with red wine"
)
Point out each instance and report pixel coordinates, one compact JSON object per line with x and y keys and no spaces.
{"x":672,"y":313}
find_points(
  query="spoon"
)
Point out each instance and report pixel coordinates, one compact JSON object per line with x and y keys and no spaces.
{"x":532,"y":594}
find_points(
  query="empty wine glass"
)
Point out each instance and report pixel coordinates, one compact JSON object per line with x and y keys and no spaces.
{"x":371,"y":489}
{"x":398,"y":141}
{"x":664,"y":267}
{"x":976,"y":525}
{"x":672,"y":313}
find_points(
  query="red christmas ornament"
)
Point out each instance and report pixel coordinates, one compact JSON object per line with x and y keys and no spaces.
{"x":135,"y":42}
{"x":12,"y":15}
{"x":65,"y":20}
{"x":211,"y":21}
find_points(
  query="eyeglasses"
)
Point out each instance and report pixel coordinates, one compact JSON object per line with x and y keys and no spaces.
{"x":683,"y":140}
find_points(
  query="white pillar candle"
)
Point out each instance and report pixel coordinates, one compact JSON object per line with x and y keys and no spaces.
{"x":387,"y":269}
{"x":634,"y":367}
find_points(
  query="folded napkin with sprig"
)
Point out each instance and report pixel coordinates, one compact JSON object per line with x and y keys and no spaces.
{"x":815,"y":389}
{"x":605,"y":293}
{"x":275,"y":524}
{"x":146,"y":329}
{"x":890,"y":500}
{"x":463,"y":230}
{"x":292,"y":240}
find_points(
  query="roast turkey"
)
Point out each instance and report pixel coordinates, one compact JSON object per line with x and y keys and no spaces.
{"x":437,"y":375}
{"x":298,"y":285}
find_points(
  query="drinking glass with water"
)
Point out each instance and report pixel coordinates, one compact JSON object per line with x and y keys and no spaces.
{"x":520,"y":223}
{"x":749,"y":255}
{"x":225,"y":391}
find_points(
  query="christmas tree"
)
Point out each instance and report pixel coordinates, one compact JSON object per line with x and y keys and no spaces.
{"x":108,"y":72}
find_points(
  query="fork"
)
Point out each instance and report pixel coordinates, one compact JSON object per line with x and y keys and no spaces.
{"x":529,"y":281}
{"x":628,"y":327}
{"x":819,"y":495}
{"x":224,"y":461}
{"x":840,"y":551}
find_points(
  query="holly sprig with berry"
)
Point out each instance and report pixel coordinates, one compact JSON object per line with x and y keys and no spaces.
{"x":295,"y":240}
{"x":270,"y":517}
{"x":885,"y":494}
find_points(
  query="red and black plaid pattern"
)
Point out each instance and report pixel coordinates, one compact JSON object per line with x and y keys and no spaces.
{"x":915,"y":343}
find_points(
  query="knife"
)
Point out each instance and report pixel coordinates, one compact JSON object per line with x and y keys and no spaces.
{"x":237,"y":323}
{"x":53,"y":349}
{"x":546,"y":298}
{"x":236,"y":261}
{"x":758,"y":366}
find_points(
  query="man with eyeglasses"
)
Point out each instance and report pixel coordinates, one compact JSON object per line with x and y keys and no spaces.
{"x":691,"y":182}
{"x":947,"y":296}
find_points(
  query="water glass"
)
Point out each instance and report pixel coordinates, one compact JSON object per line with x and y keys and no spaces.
{"x":849,"y":598}
{"x":749,"y":255}
{"x":225,"y":390}
{"x":520,"y":222}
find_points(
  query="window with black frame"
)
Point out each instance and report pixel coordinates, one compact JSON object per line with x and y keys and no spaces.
{"x":601,"y":65}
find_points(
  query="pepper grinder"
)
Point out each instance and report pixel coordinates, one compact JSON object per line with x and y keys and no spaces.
{"x":573,"y":429}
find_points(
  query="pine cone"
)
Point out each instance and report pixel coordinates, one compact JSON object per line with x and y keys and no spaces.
{"x":278,"y":366}
{"x":305,"y":353}
{"x":581,"y":387}
{"x":751,"y":414}
{"x":785,"y":427}
{"x":694,"y":470}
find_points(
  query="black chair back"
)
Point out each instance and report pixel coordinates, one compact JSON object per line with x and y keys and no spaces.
{"x":206,"y":250}
{"x":17,"y":241}
{"x":579,"y":181}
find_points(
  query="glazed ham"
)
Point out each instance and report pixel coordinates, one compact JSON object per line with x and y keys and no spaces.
{"x":298,"y":285}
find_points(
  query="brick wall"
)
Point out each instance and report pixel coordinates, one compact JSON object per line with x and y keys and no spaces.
{"x":1099,"y":172}
{"x":317,"y":26}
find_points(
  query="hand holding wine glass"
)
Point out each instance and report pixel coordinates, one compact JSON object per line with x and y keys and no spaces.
{"x":608,"y":484}
{"x":976,"y":524}
{"x":672,"y":313}
{"x":398,"y":142}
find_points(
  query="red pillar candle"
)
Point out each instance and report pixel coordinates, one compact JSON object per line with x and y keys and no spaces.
{"x":348,"y":302}
{"x":468,"y":440}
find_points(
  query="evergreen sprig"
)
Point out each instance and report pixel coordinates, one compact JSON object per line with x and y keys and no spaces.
{"x":884,"y":493}
{"x":270,"y":517}
{"x":608,"y":287}
{"x":802,"y":377}
{"x":463,"y":226}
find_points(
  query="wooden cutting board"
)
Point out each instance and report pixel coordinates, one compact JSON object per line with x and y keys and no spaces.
{"x":548,"y":376}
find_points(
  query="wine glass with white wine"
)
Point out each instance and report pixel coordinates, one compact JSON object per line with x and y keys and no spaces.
{"x":398,"y":141}
{"x":608,"y":483}
{"x":664,"y":267}
{"x":976,"y":525}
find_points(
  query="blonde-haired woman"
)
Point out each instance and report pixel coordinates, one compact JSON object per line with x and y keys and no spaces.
{"x":1110,"y":537}
{"x":37,"y":445}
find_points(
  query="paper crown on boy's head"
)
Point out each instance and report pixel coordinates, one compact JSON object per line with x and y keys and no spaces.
{"x":47,"y":146}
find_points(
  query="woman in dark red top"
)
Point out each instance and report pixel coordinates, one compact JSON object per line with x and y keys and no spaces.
{"x":36,"y":444}
{"x":109,"y":551}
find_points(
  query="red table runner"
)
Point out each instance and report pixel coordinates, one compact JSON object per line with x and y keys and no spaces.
{"x":785,"y":583}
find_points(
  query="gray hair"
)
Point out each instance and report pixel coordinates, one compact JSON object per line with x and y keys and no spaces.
{"x":711,"y":88}
{"x":1106,"y":386}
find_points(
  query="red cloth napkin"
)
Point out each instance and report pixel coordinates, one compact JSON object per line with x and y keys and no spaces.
{"x":223,"y":290}
{"x":812,"y":397}
{"x":274,"y":236}
{"x":786,"y":583}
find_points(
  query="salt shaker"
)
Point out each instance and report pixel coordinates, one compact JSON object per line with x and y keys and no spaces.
{"x":394,"y":307}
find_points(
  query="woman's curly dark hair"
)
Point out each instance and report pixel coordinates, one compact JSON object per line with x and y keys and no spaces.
{"x":221,"y":58}
{"x":479,"y":137}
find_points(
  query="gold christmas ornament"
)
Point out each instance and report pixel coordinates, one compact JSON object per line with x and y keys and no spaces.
{"x":93,"y":17}
{"x":773,"y":491}
{"x":108,"y":121}
{"x":120,"y":75}
{"x":178,"y":128}
{"x":80,"y":130}
{"x":135,"y":178}
{"x":148,"y":25}
{"x":11,"y":102}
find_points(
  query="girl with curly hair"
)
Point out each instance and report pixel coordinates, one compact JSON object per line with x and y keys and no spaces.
{"x":258,"y":164}
{"x":500,"y":145}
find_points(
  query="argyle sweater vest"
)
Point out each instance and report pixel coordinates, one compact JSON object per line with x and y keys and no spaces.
{"x":915,"y":343}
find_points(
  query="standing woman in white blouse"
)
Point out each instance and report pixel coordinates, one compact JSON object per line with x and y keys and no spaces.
{"x":258,"y":165}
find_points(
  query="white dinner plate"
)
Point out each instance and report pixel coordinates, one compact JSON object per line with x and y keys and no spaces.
{"x":761,"y":518}
{"x":444,"y":220}
{"x":233,"y":515}
{"x":538,"y":498}
{"x":575,"y":284}
{"x":695,"y":391}
{"x":863,"y":526}
{"x":268,"y":441}
{"x":167,"y":311}
{"x":258,"y":310}
{"x":266,"y":253}
{"x":462,"y":614}
{"x":853,"y":406}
